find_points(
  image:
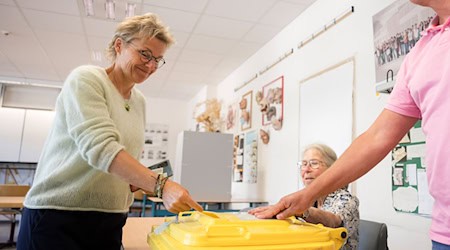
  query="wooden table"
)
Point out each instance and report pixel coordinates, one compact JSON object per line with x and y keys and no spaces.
{"x":136,"y":230}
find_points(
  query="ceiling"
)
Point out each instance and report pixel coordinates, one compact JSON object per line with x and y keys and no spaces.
{"x":48,"y":38}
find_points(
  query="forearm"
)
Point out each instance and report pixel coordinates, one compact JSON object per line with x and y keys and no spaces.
{"x":132,"y":171}
{"x":363,"y":154}
{"x":354,"y":163}
{"x":323,"y":217}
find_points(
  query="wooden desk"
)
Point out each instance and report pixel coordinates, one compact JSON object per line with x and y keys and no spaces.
{"x":157,"y":203}
{"x":136,"y":230}
{"x":11,"y":201}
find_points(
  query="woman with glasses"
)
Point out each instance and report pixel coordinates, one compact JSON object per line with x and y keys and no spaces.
{"x":337,"y":209}
{"x":88,"y":170}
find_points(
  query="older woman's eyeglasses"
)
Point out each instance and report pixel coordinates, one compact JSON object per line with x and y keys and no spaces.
{"x":147,"y":56}
{"x":314,"y":164}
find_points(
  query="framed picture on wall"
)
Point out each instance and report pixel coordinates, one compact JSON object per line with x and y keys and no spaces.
{"x":396,"y":29}
{"x":272,"y":102}
{"x":245,"y":111}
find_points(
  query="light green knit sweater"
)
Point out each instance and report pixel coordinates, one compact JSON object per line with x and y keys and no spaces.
{"x":91,"y":126}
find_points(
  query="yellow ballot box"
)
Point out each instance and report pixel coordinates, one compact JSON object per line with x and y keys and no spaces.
{"x":241,"y":231}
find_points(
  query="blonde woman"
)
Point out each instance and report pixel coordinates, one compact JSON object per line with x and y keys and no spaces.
{"x":88,"y":169}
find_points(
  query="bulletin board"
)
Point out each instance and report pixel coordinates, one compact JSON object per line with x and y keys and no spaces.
{"x":409,"y":180}
{"x":326,"y":108}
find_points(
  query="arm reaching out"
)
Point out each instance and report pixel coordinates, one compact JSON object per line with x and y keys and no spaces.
{"x":361,"y":156}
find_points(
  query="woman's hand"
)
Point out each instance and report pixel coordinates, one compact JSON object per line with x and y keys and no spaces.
{"x":289,"y":205}
{"x":177,"y":199}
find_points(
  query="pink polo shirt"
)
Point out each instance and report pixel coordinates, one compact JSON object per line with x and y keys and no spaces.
{"x":422,"y":90}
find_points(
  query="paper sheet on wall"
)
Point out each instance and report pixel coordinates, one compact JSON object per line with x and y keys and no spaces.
{"x":425,"y":199}
{"x":405,"y":199}
{"x":417,"y":135}
{"x":416,"y":151}
{"x":155,"y":147}
{"x":411,"y":174}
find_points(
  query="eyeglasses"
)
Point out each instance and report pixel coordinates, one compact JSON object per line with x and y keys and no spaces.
{"x":147,"y":56}
{"x":314,"y":164}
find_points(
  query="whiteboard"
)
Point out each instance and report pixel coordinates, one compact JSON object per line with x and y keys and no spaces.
{"x":326,"y":108}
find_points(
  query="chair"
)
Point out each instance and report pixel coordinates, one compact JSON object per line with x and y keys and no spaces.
{"x":372,"y":235}
{"x":139,"y":203}
{"x":12,"y":212}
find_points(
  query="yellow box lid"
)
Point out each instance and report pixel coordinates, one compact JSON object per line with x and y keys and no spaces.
{"x":207,"y":230}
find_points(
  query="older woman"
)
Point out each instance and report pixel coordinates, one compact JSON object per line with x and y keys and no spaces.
{"x":337,"y":209}
{"x":88,"y":169}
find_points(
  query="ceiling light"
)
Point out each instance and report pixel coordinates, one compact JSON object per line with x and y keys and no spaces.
{"x":89,"y":7}
{"x":130,"y":9}
{"x":110,"y":9}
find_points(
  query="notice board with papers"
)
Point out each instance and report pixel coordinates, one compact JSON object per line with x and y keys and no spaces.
{"x":409,"y":179}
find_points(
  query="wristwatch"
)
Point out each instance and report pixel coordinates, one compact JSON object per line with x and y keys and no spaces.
{"x":305,"y":214}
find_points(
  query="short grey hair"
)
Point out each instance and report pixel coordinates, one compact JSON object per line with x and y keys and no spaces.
{"x":328,"y":154}
{"x":145,"y":26}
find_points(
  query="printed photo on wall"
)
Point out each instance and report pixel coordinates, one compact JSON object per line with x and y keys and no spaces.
{"x":250,"y":169}
{"x":396,"y":29}
{"x":271,"y":103}
{"x":245,"y":111}
{"x":238,"y":157}
{"x":156,"y":143}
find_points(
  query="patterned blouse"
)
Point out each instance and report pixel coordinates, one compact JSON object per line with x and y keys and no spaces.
{"x":344,"y":204}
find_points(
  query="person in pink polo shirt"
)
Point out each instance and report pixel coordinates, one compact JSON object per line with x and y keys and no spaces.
{"x":422,"y":91}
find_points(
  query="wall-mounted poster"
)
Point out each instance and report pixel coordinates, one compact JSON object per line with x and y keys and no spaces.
{"x":238,"y":158}
{"x":396,"y":29}
{"x":250,"y":169}
{"x":272,"y":103}
{"x":155,"y":144}
{"x":245,"y":111}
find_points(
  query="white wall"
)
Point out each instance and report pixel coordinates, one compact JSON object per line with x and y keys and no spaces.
{"x":201,"y":96}
{"x":353,"y":37}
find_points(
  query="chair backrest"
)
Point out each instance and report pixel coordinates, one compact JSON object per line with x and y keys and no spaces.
{"x":139,"y":195}
{"x":13,"y":190}
{"x":372,"y":235}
